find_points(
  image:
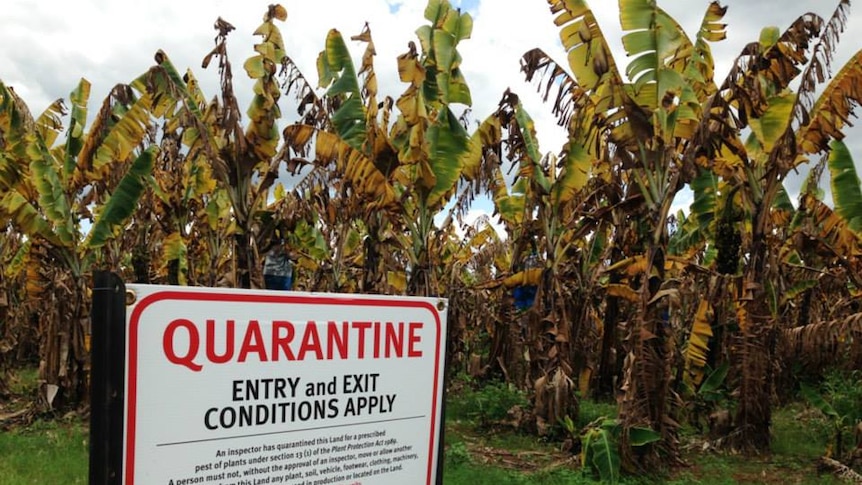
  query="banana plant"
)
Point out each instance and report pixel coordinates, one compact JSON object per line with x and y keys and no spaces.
{"x":405,"y":174}
{"x":431,"y":142}
{"x":70,"y":199}
{"x":670,"y":79}
{"x":244,"y":159}
{"x":786,"y":127}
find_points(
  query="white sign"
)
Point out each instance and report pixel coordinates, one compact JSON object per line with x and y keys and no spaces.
{"x":245,"y":387}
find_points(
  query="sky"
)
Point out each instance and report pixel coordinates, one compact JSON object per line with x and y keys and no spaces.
{"x":46,"y":46}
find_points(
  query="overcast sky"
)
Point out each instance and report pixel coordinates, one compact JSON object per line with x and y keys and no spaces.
{"x":47,"y":45}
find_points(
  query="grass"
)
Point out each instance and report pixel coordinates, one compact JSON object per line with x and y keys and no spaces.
{"x":479,"y":448}
{"x":479,"y":453}
{"x":45,"y":452}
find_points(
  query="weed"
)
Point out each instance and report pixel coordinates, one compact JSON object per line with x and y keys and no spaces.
{"x":486,"y":405}
{"x":838,"y":399}
{"x":457,"y":454}
{"x":844,"y":391}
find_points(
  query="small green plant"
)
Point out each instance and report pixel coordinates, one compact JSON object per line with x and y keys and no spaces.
{"x":487,"y":404}
{"x":844,"y":390}
{"x":569,"y":427}
{"x":840,"y":403}
{"x":600,"y":449}
{"x":457,"y":454}
{"x":710,"y":396}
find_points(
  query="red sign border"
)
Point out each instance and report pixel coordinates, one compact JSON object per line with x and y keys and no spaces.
{"x":302,"y":299}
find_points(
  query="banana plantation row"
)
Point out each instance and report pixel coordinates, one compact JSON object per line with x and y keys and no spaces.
{"x":596,"y":288}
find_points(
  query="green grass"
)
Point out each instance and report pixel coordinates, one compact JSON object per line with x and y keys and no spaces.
{"x":23,"y":381}
{"x":45,"y":452}
{"x":800,"y":436}
{"x":57,"y":452}
{"x":468,"y":473}
{"x":479,"y":449}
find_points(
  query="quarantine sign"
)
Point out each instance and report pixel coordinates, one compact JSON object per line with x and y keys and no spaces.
{"x":234,"y":387}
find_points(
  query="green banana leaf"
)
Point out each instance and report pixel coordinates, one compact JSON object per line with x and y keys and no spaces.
{"x":445,"y":82}
{"x":52,"y":194}
{"x":771,"y":126}
{"x":337,"y":72}
{"x":652,"y":37}
{"x":711,"y":386}
{"x":123,"y":201}
{"x":817,"y":401}
{"x":530,"y":163}
{"x":449,"y":144}
{"x":846,"y":191}
{"x":600,"y":451}
{"x":27,"y":218}
{"x":639,"y":436}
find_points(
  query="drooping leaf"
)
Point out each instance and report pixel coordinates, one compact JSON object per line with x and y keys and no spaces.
{"x":710,"y":387}
{"x":363,"y":175}
{"x":846,"y":186}
{"x":817,"y":401}
{"x":623,"y":291}
{"x":832,"y":228}
{"x":600,"y":451}
{"x":27,"y":218}
{"x":123,"y":200}
{"x":697,"y":348}
{"x":49,"y":124}
{"x":831,"y":112}
{"x":175,"y":249}
{"x":18,"y":261}
{"x":639,"y":436}
{"x":449,"y":144}
{"x":575,"y":173}
{"x":125,"y":136}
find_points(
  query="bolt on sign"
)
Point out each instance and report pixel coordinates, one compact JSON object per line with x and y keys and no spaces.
{"x":247,"y":387}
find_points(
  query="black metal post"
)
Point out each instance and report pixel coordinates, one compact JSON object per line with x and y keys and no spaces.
{"x":441,"y":437}
{"x":107,"y":378}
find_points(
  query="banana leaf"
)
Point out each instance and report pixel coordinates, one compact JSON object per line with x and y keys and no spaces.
{"x":846,"y":190}
{"x":123,"y":201}
{"x":52,"y":194}
{"x":337,"y":72}
{"x":77,"y":122}
{"x":27,"y":218}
